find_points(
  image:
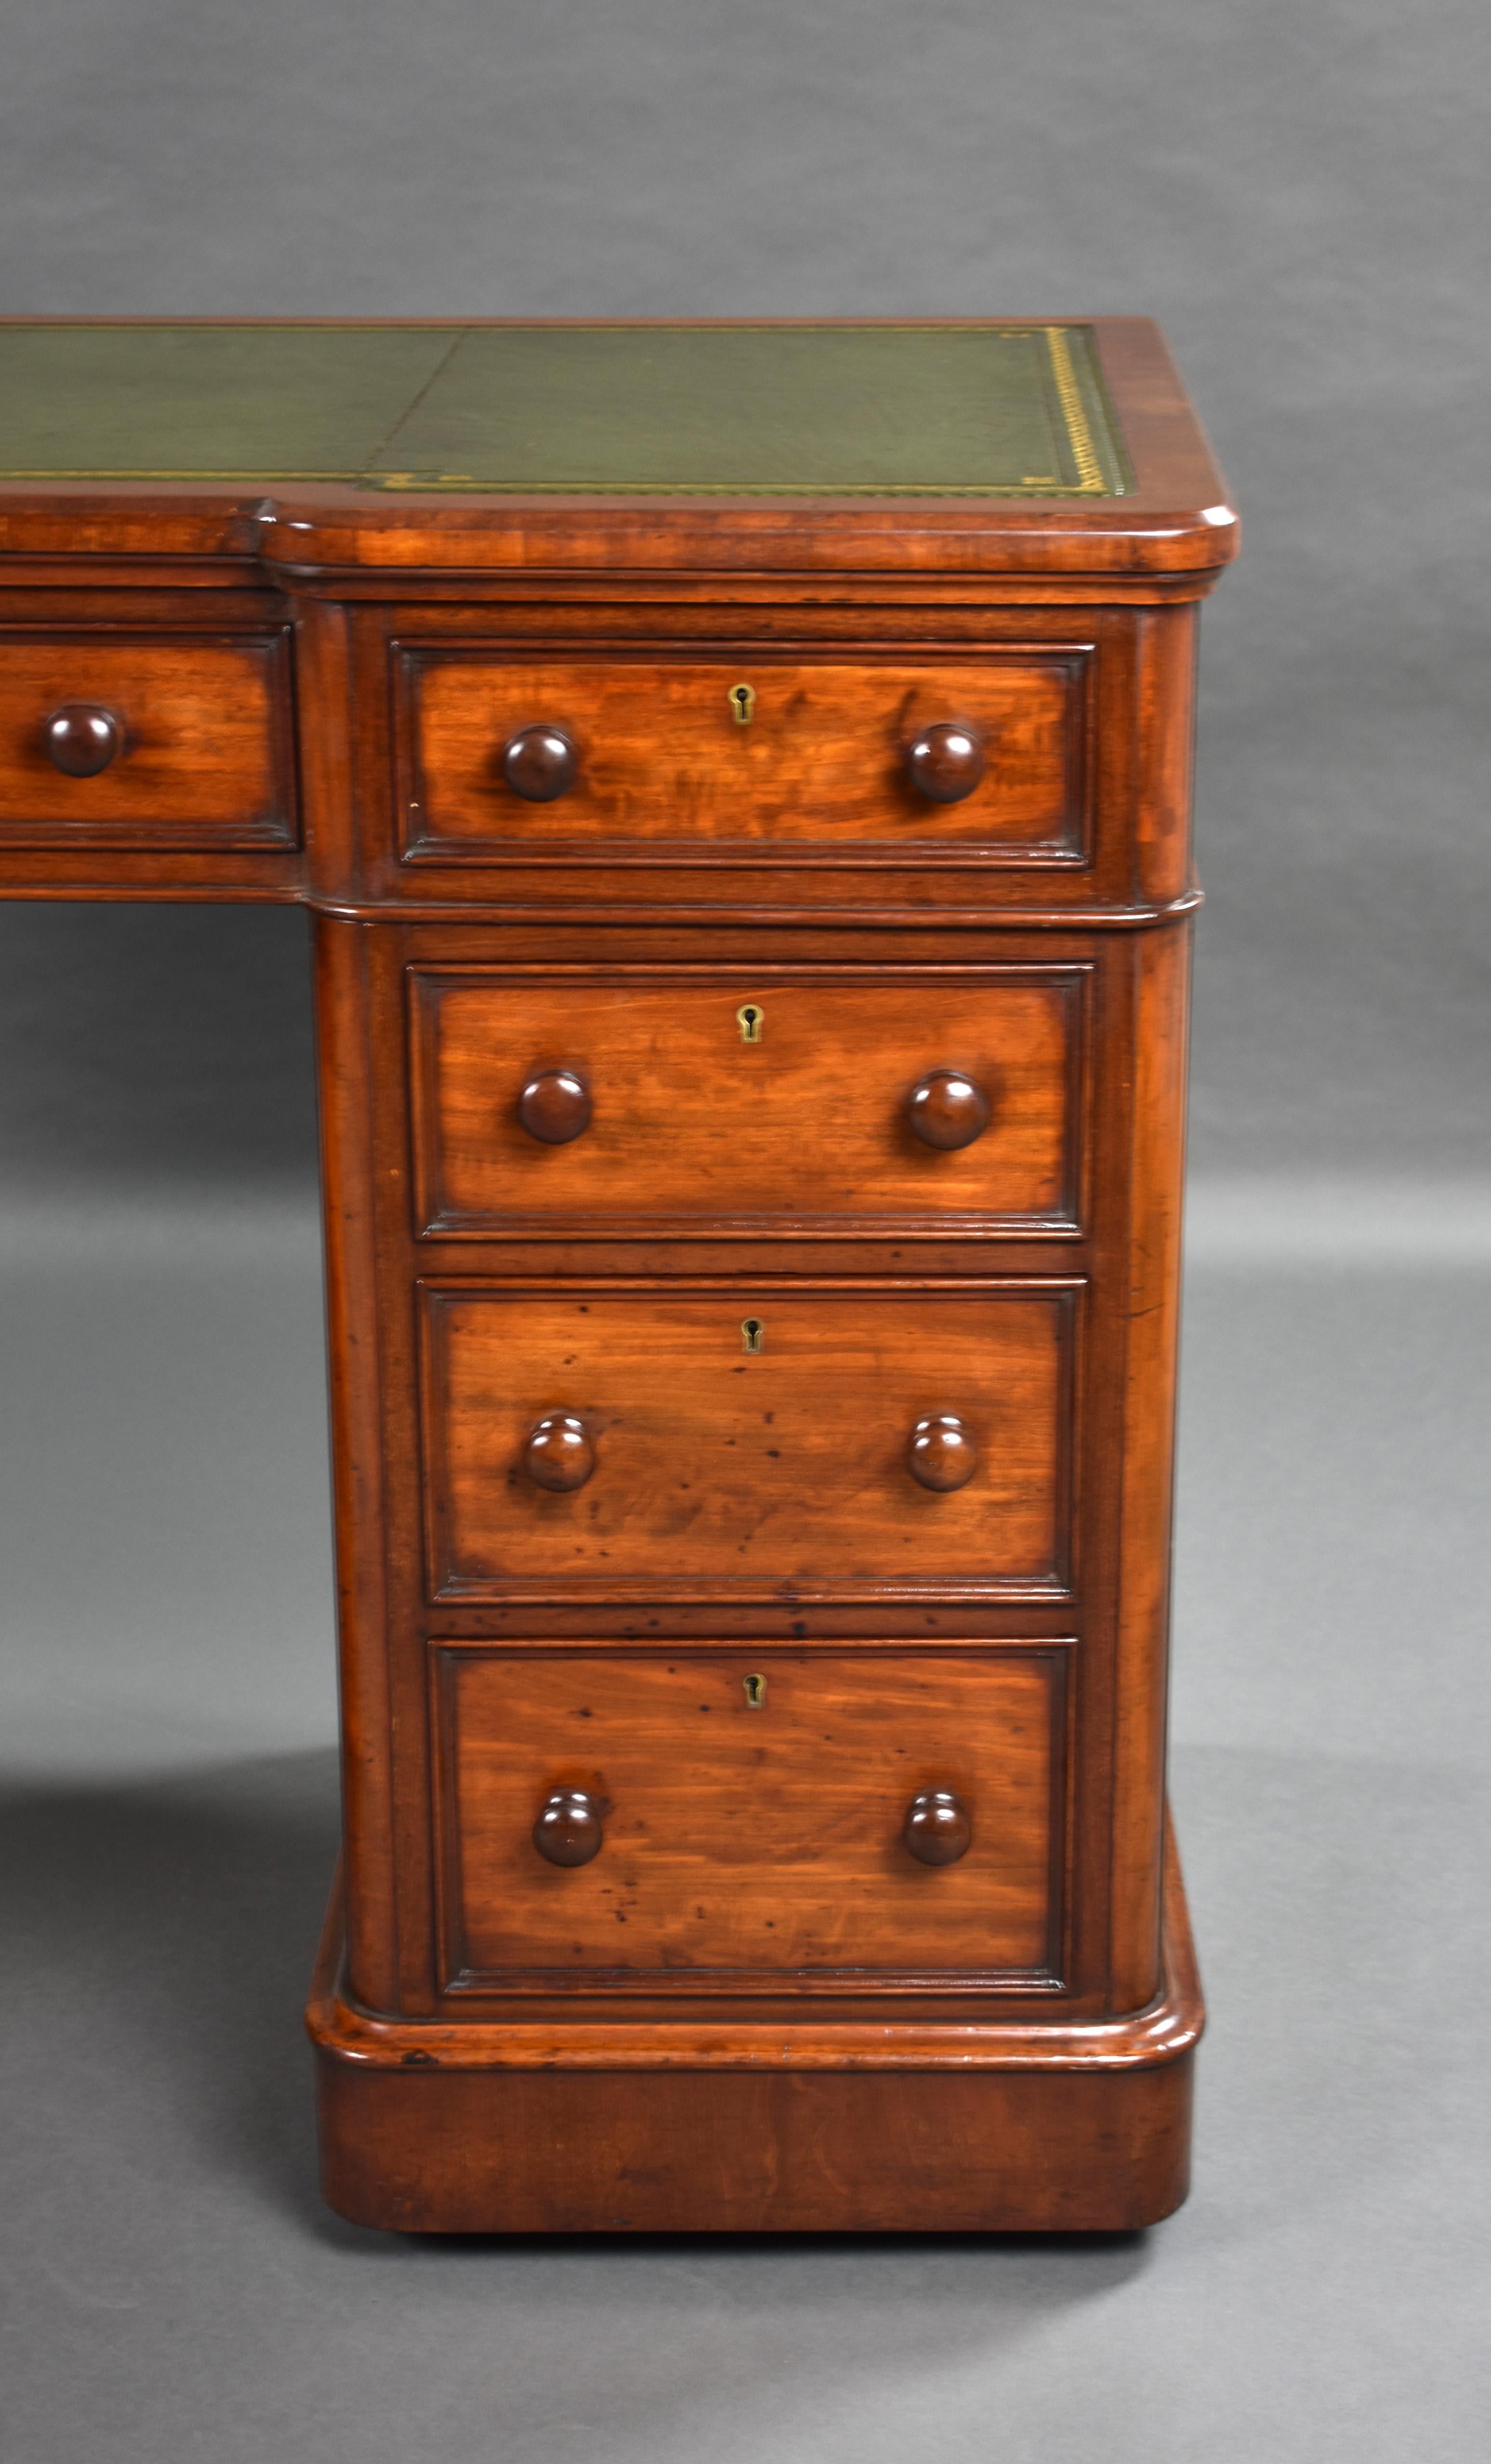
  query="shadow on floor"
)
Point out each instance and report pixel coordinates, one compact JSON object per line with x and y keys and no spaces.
{"x":166,"y":1927}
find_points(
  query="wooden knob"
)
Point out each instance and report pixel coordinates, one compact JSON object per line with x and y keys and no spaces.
{"x":942,"y":1453}
{"x":948,"y":1109}
{"x":938,"y":1829}
{"x":82,"y":739}
{"x":568,"y":1830}
{"x":539,"y":763}
{"x":554,"y":1106}
{"x":558,"y":1454}
{"x":946,"y":762}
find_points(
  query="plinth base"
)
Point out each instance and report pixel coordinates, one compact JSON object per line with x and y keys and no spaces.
{"x":815,"y":2126}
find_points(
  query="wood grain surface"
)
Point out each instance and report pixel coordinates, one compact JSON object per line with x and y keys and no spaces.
{"x":777,"y":1473}
{"x":206,"y":728}
{"x":747,"y":1839}
{"x":919,"y":2123}
{"x":662,"y":759}
{"x":759,"y":2010}
{"x":693,"y":1128}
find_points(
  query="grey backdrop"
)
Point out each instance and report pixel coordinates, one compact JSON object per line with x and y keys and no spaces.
{"x":1300,"y":193}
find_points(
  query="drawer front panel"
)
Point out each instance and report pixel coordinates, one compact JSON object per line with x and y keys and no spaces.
{"x":761,"y":1101}
{"x":198,"y":735}
{"x":763,"y":1842}
{"x":663,"y":764}
{"x":748,"y":1442}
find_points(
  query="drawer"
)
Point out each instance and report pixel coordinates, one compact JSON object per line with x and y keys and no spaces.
{"x":146,"y":742}
{"x":749,"y":1817}
{"x":748,"y":1440}
{"x":790,"y":1101}
{"x":659,"y":764}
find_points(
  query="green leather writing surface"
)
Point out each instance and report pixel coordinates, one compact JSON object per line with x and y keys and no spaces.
{"x":799,"y":409}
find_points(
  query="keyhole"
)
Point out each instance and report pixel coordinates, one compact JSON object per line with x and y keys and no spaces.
{"x":753,"y":1333}
{"x":742,"y":701}
{"x":752,"y":1018}
{"x":754,"y":1693}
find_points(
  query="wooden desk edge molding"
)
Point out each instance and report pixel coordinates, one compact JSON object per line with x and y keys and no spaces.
{"x":739,"y":774}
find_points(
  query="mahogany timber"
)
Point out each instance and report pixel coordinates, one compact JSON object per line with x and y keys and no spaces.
{"x":727,"y":1468}
{"x":748,"y":944}
{"x":750,"y":1835}
{"x":661,"y":756}
{"x":946,"y":762}
{"x":1170,"y":533}
{"x":696,"y":1124}
{"x":196,"y":737}
{"x":938,"y":1829}
{"x":948,"y":1109}
{"x":81,"y":737}
{"x":568,"y":1828}
{"x":842,"y":2127}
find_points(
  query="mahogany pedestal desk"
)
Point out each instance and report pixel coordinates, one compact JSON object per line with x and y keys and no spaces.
{"x":740,"y":775}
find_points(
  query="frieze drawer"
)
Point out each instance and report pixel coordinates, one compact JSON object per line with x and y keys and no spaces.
{"x":654,"y":758}
{"x":146,"y":742}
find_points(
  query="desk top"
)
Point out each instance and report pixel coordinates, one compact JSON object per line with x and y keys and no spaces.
{"x":492,"y":443}
{"x":802,"y":409}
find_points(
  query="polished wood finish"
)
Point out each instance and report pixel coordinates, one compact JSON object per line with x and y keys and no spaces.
{"x":948,"y":1109}
{"x":742,"y":2125}
{"x":938,"y":1829}
{"x":721,"y":1135}
{"x":554,"y":1106}
{"x":558,"y":1454}
{"x":81,"y":738}
{"x":1172,"y":531}
{"x":727,"y":1467}
{"x":569,"y":1830}
{"x":763,"y":1846}
{"x":539,"y":763}
{"x":143,"y":742}
{"x":690,"y":1126}
{"x":834,"y":752}
{"x":946,"y":762}
{"x":943,"y":1453}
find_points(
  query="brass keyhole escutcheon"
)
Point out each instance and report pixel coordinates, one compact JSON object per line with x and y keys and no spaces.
{"x":742,"y":702}
{"x":754,"y":1693}
{"x":753,"y":1334}
{"x":751,"y":1018}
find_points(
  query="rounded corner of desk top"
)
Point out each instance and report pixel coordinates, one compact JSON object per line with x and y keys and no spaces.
{"x":983,"y":426}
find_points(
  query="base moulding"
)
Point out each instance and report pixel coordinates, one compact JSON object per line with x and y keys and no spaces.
{"x":819,"y":2126}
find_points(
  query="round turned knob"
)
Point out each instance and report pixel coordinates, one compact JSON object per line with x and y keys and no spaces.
{"x":568,"y":1830}
{"x":948,"y":1109}
{"x":539,"y":763}
{"x":558,"y":1454}
{"x":82,"y":739}
{"x":938,"y":1829}
{"x":946,"y":762}
{"x":554,"y":1106}
{"x":942,"y":1453}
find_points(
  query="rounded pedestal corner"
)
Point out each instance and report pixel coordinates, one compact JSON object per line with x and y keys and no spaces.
{"x":1020,"y":2126}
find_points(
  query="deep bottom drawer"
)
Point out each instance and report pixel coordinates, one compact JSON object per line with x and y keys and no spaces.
{"x":757,"y":1817}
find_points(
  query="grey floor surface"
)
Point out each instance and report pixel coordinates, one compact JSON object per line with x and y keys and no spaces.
{"x":174,"y":2290}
